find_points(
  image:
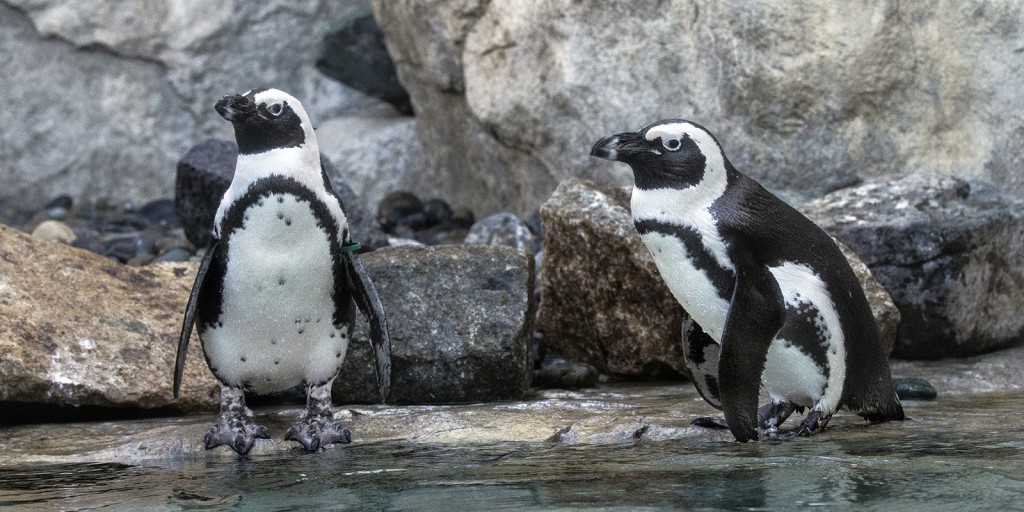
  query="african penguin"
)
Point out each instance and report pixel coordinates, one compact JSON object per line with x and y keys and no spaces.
{"x":275,"y":295}
{"x":778,"y":300}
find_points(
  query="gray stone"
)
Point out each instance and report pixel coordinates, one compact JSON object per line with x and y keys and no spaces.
{"x":460,"y":321}
{"x":950,"y":252}
{"x":602,"y":299}
{"x":54,"y":231}
{"x":354,"y":54}
{"x":96,"y":92}
{"x":205,"y":172}
{"x":503,"y":229}
{"x":77,"y":329}
{"x":362,"y":224}
{"x":374,"y":154}
{"x":510,"y":95}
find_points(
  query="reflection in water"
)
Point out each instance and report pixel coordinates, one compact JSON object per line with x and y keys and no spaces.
{"x":912,"y":467}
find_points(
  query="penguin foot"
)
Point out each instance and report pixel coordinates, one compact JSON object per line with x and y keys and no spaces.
{"x":237,"y":431}
{"x":812,"y":424}
{"x":710,"y":422}
{"x":234,"y":427}
{"x":316,"y":427}
{"x":314,"y":432}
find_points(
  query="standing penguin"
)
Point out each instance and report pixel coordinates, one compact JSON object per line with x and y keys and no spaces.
{"x":769,"y":287}
{"x":273,"y":297}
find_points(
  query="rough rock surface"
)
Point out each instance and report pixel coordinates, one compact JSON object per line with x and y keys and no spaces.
{"x":78,"y":329}
{"x":950,"y":252}
{"x":205,"y":172}
{"x":375,"y":154}
{"x":503,"y":229}
{"x":97,"y":91}
{"x":619,"y":413}
{"x":354,"y":54}
{"x":602,"y":299}
{"x":461,"y":322}
{"x":806,"y":98}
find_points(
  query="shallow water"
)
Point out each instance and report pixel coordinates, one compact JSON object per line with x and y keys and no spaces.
{"x":957,"y":454}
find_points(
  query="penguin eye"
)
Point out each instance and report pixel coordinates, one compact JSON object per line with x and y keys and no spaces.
{"x":275,"y":109}
{"x":671,"y":144}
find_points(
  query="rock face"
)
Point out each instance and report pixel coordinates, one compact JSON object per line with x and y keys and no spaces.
{"x":77,"y":329}
{"x":510,"y":95}
{"x":950,"y":252}
{"x":503,"y":229}
{"x":460,"y":320}
{"x":98,"y":91}
{"x":205,"y":172}
{"x":354,"y":54}
{"x":602,"y":299}
{"x":375,"y":154}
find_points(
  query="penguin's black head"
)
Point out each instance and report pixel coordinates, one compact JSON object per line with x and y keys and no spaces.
{"x":670,"y":153}
{"x":264,"y":120}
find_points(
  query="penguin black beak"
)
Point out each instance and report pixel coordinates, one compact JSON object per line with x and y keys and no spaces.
{"x":235,"y":108}
{"x":622,"y":147}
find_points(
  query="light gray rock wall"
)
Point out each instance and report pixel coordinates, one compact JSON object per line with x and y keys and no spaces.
{"x":102,"y":98}
{"x":804,"y":97}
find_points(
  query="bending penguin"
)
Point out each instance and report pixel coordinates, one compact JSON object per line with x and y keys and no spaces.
{"x":779,"y":302}
{"x":275,"y":295}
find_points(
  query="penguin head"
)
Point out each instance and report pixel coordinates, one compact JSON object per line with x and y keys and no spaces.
{"x":265,"y":120}
{"x":671,"y":153}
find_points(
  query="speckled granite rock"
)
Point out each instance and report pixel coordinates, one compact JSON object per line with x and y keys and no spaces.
{"x":77,"y":329}
{"x":950,"y":252}
{"x":602,"y":299}
{"x":461,"y":323}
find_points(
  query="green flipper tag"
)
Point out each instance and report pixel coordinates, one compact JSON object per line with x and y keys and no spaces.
{"x":352,"y":247}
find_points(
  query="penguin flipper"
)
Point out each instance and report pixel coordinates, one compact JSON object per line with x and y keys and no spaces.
{"x":366,"y":297}
{"x":756,"y":313}
{"x":190,"y":314}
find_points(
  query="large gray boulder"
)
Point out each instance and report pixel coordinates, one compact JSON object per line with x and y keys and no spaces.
{"x":603,"y":301}
{"x":104,"y":97}
{"x":461,"y":323}
{"x":951,"y":253}
{"x":805,"y":97}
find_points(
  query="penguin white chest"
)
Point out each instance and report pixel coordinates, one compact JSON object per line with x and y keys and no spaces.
{"x":690,"y":285}
{"x":276,"y":324}
{"x":806,"y":361}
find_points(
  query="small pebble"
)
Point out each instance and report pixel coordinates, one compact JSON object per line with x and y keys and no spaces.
{"x":59,"y":207}
{"x":54,"y":231}
{"x":560,"y":373}
{"x":913,"y":388}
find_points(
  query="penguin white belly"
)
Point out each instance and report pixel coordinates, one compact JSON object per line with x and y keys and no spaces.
{"x":806,"y":361}
{"x":275,"y":328}
{"x":691,"y":286}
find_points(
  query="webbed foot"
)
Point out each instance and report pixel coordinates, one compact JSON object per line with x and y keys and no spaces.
{"x":234,"y":427}
{"x":316,"y":427}
{"x":812,"y":424}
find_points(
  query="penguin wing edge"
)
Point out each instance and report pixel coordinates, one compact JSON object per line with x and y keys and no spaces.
{"x":190,"y":315}
{"x":366,"y":297}
{"x":756,"y":313}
